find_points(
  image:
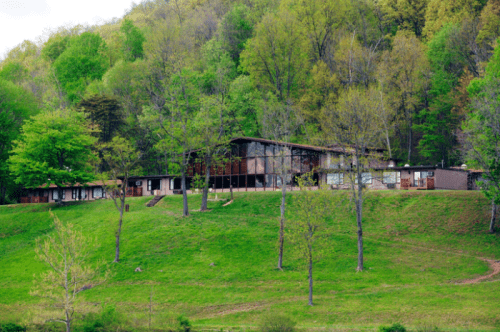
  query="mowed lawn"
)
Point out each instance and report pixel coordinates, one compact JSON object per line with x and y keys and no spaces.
{"x":218,"y":268}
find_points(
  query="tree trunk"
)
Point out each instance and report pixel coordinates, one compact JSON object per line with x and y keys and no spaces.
{"x":409,"y":142}
{"x":118,"y":232}
{"x":59,"y":196}
{"x":231,"y":190}
{"x":310,"y":278}
{"x":359,"y":218}
{"x":68,"y":323}
{"x":3,"y":191}
{"x":185,"y":210}
{"x":493,"y":216}
{"x":204,"y":197}
{"x":282,"y":222}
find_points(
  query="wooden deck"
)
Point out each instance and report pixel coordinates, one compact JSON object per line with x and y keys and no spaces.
{"x":422,"y":184}
{"x":134,"y":192}
{"x":35,"y":199}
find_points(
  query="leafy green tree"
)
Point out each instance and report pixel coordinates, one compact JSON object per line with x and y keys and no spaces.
{"x":307,"y":229}
{"x":53,"y":148}
{"x":404,"y":72}
{"x":14,"y":72}
{"x":122,"y":160}
{"x":277,"y":57}
{"x":482,"y":143}
{"x":66,"y":253}
{"x":55,"y":46}
{"x":82,"y":62}
{"x":105,"y":113}
{"x":437,"y":122}
{"x":406,"y":14}
{"x":490,"y":22}
{"x":213,"y":122}
{"x":175,"y":124}
{"x":354,"y":125}
{"x":236,"y":28}
{"x":16,"y":105}
{"x":132,"y":43}
{"x":442,"y":12}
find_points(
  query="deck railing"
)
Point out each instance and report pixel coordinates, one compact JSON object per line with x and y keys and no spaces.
{"x":427,"y":184}
{"x":134,"y":192}
{"x":35,"y":199}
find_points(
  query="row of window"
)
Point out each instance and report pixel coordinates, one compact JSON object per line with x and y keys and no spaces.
{"x":366,"y":178}
{"x":97,"y":192}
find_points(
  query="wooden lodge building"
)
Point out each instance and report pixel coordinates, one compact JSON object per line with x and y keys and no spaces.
{"x":253,"y":164}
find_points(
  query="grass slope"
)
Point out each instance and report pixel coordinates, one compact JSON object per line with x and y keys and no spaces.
{"x":418,"y":246}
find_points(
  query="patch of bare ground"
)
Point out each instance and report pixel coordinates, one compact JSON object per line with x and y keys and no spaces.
{"x":495,"y":267}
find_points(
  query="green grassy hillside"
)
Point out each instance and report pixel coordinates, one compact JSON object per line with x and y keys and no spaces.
{"x":418,"y":247}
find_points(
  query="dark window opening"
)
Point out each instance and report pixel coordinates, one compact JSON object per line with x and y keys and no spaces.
{"x":242,"y":181}
{"x":234,"y":181}
{"x":218,"y":182}
{"x":177,"y":183}
{"x":226,"y":182}
{"x":259,"y":181}
{"x":251,"y":181}
{"x":154,"y":184}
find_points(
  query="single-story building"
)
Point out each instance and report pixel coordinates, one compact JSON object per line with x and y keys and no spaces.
{"x":254,"y":164}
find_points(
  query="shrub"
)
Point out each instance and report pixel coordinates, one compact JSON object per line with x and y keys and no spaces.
{"x":393,"y":328}
{"x":12,"y":327}
{"x":107,"y":320}
{"x":184,"y":325}
{"x":277,"y":323}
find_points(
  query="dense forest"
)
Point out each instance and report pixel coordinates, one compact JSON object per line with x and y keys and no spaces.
{"x":175,"y":75}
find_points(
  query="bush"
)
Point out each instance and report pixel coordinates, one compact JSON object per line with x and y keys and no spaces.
{"x":184,"y":325}
{"x":11,"y":327}
{"x":393,"y":328}
{"x":107,"y":320}
{"x":277,"y":323}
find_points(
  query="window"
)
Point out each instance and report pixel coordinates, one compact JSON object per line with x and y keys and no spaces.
{"x":55,"y":194}
{"x":390,"y":177}
{"x":335,"y":178}
{"x":97,"y":192}
{"x":74,"y":193}
{"x":366,"y":178}
{"x":154,"y":184}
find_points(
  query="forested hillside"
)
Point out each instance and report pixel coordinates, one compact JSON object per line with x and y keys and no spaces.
{"x":216,"y":69}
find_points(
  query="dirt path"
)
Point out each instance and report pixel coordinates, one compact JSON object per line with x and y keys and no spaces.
{"x":494,"y":265}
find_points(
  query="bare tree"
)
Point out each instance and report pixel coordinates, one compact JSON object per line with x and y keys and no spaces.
{"x":279,"y":123}
{"x":66,"y":253}
{"x":355,"y":126}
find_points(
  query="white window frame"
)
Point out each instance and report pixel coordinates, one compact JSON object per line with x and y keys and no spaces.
{"x":55,"y":194}
{"x":392,"y":176}
{"x":335,"y":179}
{"x":366,"y":178}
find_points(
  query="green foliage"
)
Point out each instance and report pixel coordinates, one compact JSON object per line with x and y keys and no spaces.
{"x":14,"y":72}
{"x":12,"y":327}
{"x":396,"y":327}
{"x":277,"y":323}
{"x":236,"y":28}
{"x":16,"y":105}
{"x":437,"y":122}
{"x":54,"y":148}
{"x":82,"y":62}
{"x":132,"y":43}
{"x":55,"y":46}
{"x":184,"y":324}
{"x":105,"y":113}
{"x":108,"y":320}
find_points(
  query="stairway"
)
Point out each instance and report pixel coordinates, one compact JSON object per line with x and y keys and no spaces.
{"x":155,"y":200}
